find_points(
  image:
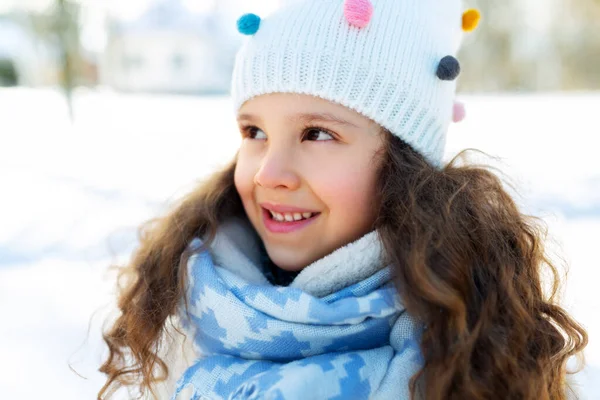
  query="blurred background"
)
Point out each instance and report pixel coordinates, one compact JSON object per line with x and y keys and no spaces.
{"x":110,"y":110}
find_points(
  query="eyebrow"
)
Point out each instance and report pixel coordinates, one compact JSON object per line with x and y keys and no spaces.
{"x":306,"y":118}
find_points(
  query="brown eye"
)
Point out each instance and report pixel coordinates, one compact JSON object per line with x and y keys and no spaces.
{"x":252,"y":132}
{"x":318,"y":135}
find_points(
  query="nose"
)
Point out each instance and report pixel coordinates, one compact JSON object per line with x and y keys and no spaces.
{"x":277,"y":171}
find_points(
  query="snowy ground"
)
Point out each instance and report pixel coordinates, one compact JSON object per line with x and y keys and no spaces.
{"x":72,"y":197}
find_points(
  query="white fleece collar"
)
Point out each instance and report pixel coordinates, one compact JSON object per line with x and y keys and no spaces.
{"x":237,"y":248}
{"x":346,"y":266}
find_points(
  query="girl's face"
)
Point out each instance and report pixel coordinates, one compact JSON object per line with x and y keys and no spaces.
{"x":306,"y":174}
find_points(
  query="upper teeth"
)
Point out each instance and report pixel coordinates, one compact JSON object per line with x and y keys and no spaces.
{"x":290,"y":216}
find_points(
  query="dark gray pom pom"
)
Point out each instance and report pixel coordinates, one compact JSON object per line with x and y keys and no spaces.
{"x":449,"y":69}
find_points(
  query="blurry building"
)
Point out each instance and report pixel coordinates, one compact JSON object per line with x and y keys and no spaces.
{"x":169,"y":49}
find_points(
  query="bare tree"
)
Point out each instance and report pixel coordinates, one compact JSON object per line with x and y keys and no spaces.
{"x":67,"y":30}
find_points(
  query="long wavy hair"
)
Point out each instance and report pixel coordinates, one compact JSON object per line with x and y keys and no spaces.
{"x":467,"y":263}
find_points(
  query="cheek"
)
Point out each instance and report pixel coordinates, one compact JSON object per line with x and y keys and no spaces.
{"x":349,"y":193}
{"x":244,"y":179}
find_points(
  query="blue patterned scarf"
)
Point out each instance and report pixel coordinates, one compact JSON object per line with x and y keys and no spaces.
{"x":260,"y":341}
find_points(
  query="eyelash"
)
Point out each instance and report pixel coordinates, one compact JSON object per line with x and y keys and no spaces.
{"x":246,"y":132}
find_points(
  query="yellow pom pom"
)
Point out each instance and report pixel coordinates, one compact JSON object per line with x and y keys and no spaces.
{"x":470,"y":20}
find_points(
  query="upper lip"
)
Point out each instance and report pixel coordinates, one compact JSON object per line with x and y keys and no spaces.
{"x":282,"y":209}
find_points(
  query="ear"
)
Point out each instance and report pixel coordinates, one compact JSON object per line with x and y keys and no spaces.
{"x":470,"y":20}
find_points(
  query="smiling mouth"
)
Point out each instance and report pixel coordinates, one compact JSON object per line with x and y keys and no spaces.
{"x":290,"y":217}
{"x":287,"y":222}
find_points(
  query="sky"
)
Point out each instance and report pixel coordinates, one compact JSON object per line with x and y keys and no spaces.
{"x":131,"y":8}
{"x":93,"y":33}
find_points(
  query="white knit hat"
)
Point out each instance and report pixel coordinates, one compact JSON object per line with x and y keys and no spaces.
{"x":390,"y":60}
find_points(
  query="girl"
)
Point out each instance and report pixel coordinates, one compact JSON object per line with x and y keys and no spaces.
{"x":336,"y":257}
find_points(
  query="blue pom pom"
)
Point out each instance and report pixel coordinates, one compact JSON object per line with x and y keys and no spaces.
{"x":449,"y":69}
{"x":248,"y":24}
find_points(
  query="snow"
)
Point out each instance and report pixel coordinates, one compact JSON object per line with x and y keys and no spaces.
{"x":73,"y":195}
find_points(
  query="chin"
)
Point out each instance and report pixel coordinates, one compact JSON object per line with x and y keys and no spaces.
{"x":289,"y":265}
{"x":288,"y":262}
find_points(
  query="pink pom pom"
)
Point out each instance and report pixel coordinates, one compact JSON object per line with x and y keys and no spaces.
{"x":458,"y":112}
{"x":358,"y":12}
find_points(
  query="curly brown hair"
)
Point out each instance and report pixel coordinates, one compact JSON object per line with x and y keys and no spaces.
{"x":467,"y":263}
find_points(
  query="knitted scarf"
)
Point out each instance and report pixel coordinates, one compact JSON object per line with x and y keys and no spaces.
{"x":257,"y":340}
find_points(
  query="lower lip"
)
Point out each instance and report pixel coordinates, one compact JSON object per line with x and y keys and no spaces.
{"x":285,"y":226}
